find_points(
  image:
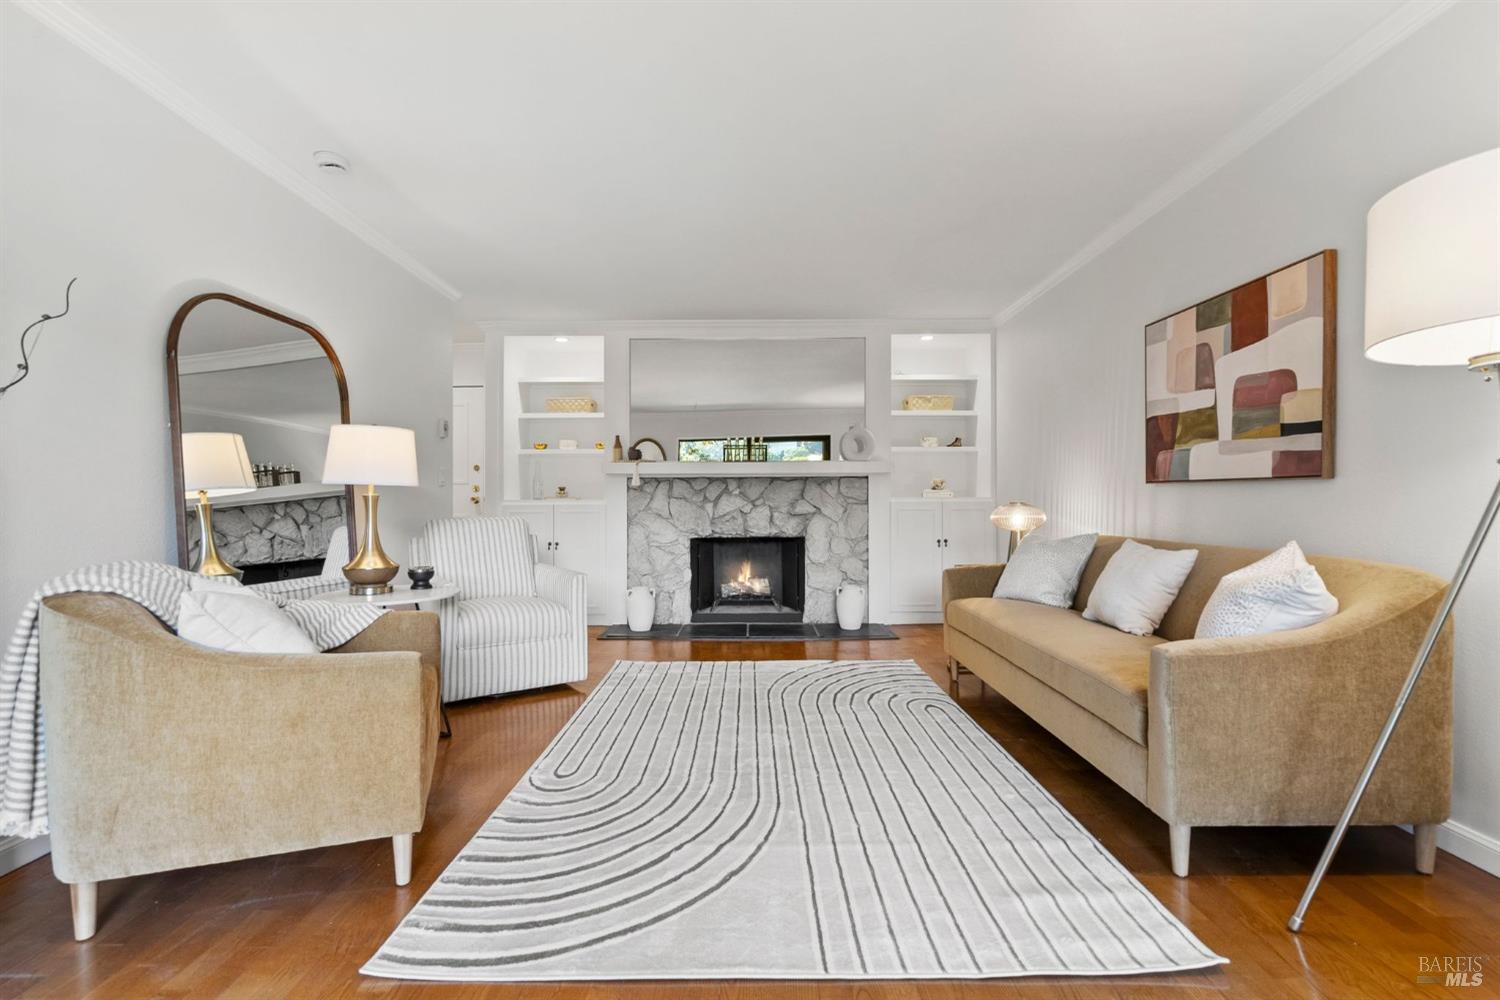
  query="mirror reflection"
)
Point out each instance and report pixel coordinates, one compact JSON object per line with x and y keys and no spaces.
{"x":747,"y":400}
{"x":272,"y":383}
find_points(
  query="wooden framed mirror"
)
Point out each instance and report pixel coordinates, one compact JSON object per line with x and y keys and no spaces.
{"x":235,"y":366}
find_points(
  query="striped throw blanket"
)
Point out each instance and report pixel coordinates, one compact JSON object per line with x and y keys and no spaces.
{"x":154,"y":586}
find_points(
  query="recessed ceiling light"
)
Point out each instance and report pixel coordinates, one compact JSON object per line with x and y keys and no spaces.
{"x":330,"y":162}
{"x":926,"y":336}
{"x":560,"y":340}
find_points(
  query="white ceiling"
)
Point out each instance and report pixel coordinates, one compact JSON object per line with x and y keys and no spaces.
{"x":734,"y":160}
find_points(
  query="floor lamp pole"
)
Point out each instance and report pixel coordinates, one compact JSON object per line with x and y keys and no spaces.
{"x":1444,"y":610}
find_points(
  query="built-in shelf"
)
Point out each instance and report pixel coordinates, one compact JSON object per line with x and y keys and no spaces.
{"x":934,"y":413}
{"x":740,"y":470}
{"x":934,"y":378}
{"x":559,"y":381}
{"x":276,"y":494}
{"x":544,"y":415}
{"x":913,"y":448}
{"x":566,"y":453}
{"x":570,"y":501}
{"x":938,"y":499}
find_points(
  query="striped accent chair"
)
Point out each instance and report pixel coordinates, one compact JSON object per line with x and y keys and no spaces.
{"x":516,"y":623}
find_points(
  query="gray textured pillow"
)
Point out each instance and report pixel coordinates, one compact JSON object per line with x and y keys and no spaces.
{"x":1046,"y":570}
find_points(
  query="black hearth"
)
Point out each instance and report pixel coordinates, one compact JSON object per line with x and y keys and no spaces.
{"x":747,"y":579}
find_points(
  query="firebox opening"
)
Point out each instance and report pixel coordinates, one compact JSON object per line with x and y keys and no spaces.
{"x":747,"y":579}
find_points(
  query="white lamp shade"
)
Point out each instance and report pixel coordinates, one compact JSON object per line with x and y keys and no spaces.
{"x":216,"y":463}
{"x":1432,"y":266}
{"x":360,"y":454}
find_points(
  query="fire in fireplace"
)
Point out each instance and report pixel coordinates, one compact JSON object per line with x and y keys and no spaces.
{"x":747,"y":579}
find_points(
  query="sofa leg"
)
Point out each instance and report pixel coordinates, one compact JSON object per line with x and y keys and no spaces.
{"x":85,"y":900}
{"x":401,"y":844}
{"x":1425,"y":835}
{"x":1181,"y":834}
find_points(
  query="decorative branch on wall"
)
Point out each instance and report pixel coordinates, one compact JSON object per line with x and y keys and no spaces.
{"x":24,"y":366}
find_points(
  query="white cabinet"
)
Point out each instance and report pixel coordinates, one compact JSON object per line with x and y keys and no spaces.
{"x":927,"y":537}
{"x":570,"y":534}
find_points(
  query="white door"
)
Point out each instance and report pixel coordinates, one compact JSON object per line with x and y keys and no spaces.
{"x":538,"y":516}
{"x":467,"y":431}
{"x":578,"y":544}
{"x":916,"y":556}
{"x":968,"y":535}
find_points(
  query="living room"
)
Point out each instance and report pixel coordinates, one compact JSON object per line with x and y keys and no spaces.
{"x":643,"y":499}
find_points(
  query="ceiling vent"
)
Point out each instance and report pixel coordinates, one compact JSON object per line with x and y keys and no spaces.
{"x":330,"y":162}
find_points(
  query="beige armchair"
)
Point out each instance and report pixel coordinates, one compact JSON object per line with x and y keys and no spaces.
{"x":163,"y":754}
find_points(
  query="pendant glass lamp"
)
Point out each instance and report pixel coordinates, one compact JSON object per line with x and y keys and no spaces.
{"x":1020,"y":519}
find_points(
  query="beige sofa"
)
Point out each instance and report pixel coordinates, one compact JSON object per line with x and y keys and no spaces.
{"x":162,"y":754}
{"x":1268,"y":730}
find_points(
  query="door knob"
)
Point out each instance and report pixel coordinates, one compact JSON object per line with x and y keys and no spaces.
{"x":473,"y":500}
{"x":476,"y":468}
{"x":476,"y":489}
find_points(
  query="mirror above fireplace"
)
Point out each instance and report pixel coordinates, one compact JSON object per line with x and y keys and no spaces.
{"x":699,"y":397}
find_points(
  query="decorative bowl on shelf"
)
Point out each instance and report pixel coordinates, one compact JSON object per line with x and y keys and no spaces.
{"x":539,"y":445}
{"x":421,"y":577}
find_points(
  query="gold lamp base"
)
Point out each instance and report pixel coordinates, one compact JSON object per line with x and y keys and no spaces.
{"x":210,"y":563}
{"x":370,"y":571}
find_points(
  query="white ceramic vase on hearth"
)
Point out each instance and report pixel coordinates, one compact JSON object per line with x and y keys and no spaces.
{"x":849,"y":602}
{"x":640,"y":608}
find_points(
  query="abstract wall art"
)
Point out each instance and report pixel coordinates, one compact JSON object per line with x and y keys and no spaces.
{"x":1241,"y":386}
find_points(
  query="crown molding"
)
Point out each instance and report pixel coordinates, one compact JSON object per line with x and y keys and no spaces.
{"x":94,"y":39}
{"x":306,"y":349}
{"x":771,"y":327}
{"x":1364,"y":50}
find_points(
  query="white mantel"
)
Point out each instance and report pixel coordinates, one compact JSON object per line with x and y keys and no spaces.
{"x":741,"y":470}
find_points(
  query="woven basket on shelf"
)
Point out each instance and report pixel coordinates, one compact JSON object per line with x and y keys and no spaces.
{"x":932,"y":401}
{"x":571,"y":404}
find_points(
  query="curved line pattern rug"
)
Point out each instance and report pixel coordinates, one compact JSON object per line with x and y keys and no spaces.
{"x":788,"y":819}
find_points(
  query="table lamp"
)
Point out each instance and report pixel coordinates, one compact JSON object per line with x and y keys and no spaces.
{"x":1018,"y":518}
{"x":214,"y":465}
{"x":370,"y":455}
{"x":1432,"y":297}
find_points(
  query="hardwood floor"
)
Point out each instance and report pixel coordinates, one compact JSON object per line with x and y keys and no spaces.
{"x":300,"y":925}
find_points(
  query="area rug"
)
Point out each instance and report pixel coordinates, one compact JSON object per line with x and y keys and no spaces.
{"x":782,"y":819}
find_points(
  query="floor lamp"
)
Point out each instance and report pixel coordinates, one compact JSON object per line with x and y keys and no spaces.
{"x":1432,"y":297}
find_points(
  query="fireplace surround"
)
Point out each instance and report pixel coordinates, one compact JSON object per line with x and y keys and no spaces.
{"x":829,"y":515}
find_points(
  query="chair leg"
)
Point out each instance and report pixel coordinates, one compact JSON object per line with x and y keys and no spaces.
{"x":1181,"y":834}
{"x":85,"y":899}
{"x":401,"y":845}
{"x":1425,"y":835}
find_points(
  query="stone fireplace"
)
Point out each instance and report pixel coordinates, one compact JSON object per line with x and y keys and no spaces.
{"x":829,"y":516}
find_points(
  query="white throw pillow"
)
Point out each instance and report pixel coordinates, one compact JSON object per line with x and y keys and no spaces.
{"x":1282,"y":591}
{"x":1138,"y":585}
{"x":232,"y":618}
{"x":1046,"y":570}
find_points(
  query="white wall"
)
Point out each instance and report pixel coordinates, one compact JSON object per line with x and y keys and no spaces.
{"x":1415,"y":449}
{"x":101,"y":182}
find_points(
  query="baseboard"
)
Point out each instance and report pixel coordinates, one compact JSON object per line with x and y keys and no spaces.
{"x":1478,"y":849}
{"x":16,"y":851}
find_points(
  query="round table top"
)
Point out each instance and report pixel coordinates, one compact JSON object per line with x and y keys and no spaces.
{"x":401,"y":594}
